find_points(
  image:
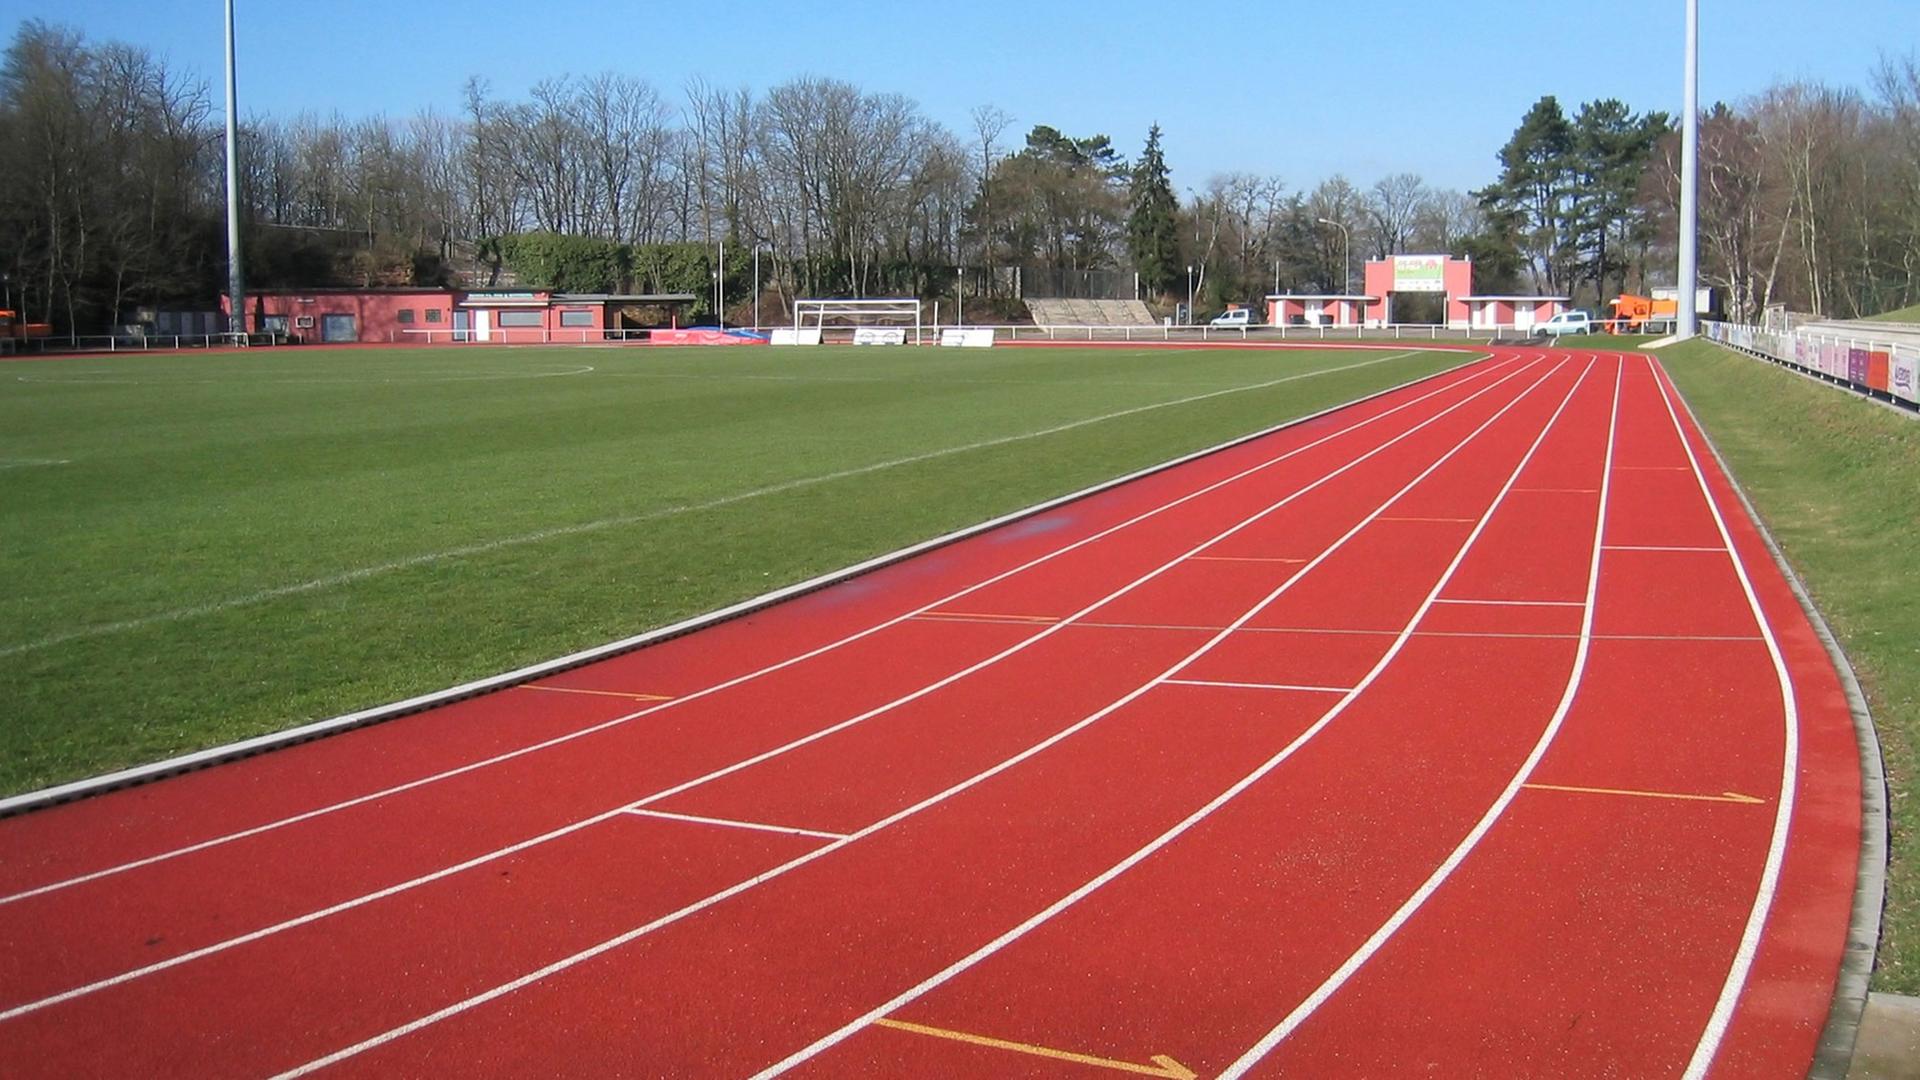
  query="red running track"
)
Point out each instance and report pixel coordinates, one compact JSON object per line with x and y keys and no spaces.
{"x":1469,"y":730}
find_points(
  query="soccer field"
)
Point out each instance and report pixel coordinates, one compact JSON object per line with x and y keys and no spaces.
{"x":200,"y":548}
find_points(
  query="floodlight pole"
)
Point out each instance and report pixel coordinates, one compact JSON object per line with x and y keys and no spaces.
{"x":720,"y":288}
{"x":1689,"y":307}
{"x":236,"y":283}
{"x":756,"y":286}
{"x":959,"y":296}
{"x":1189,"y":294}
{"x":1346,"y":255}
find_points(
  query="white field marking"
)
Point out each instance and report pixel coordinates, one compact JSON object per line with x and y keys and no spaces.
{"x":1730,"y":990}
{"x":730,"y":823}
{"x":1423,"y":633}
{"x":1661,"y":547}
{"x":1261,"y":686}
{"x":541,"y":535}
{"x":894,"y":1004}
{"x":1374,"y":942}
{"x":1516,"y":603}
{"x":739,"y":887}
{"x":665,"y":793}
{"x":32,"y":463}
{"x":748,"y":676}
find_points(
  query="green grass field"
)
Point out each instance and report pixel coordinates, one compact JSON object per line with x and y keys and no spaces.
{"x":1837,"y":479}
{"x":202,"y":548}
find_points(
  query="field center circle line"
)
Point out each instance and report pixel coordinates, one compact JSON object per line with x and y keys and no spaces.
{"x":348,"y":577}
{"x":1411,"y":906}
{"x":403,"y":886}
{"x":1742,"y":963}
{"x":938,"y":979}
{"x":1449,"y":385}
{"x":939,"y":797}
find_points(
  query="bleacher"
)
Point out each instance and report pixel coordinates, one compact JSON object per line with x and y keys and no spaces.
{"x":1064,"y":312}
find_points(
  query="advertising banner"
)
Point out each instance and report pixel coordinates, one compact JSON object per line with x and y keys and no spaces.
{"x":1420,"y":273}
{"x":1904,"y":376}
{"x":1857,"y":366}
{"x":1877,"y":370}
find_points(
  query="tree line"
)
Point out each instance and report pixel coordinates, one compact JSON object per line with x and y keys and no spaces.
{"x":111,"y":197}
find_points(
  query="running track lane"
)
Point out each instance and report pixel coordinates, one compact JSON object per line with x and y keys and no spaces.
{"x":1415,"y":759}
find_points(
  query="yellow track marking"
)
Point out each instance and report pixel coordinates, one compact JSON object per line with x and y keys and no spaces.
{"x":597,"y":693}
{"x":1162,"y":1064}
{"x":1244,"y":558}
{"x":1725,"y":796}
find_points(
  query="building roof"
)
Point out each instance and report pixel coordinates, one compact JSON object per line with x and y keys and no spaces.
{"x":1516,"y":298}
{"x":627,"y":298}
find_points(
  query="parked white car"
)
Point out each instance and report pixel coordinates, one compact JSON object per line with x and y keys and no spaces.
{"x":1236,"y":317}
{"x":1567,"y":322}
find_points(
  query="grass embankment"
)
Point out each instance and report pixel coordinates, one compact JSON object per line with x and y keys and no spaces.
{"x":1903,"y":315}
{"x":1837,"y":479}
{"x":198,"y":549}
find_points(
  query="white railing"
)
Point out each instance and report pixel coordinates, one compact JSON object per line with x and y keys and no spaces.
{"x":137,"y":342}
{"x":1878,"y":367}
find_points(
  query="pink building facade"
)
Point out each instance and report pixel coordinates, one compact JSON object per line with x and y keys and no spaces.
{"x":439,"y":316}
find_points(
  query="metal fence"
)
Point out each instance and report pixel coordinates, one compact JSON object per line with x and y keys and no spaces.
{"x":1878,"y":368}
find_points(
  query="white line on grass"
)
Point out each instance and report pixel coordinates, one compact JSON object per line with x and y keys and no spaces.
{"x":539,"y":536}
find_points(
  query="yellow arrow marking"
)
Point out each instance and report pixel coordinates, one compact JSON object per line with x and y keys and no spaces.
{"x":1163,"y":1065}
{"x":1725,"y":796}
{"x":600,"y":693}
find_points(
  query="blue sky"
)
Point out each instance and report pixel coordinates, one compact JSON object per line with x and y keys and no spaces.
{"x":1276,"y":88}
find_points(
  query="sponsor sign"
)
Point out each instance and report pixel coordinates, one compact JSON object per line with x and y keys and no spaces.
{"x":1420,"y":273}
{"x":790,"y":336}
{"x":1904,"y":375}
{"x":1857,"y":366}
{"x":1877,"y":370}
{"x":967,"y":338}
{"x":879,"y":335}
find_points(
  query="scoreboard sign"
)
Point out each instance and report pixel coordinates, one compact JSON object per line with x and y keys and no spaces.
{"x":1420,"y":273}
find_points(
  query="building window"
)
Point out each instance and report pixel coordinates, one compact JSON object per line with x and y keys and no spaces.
{"x":404,"y":316}
{"x":576,"y":318}
{"x":433,"y":314}
{"x":521,"y":318}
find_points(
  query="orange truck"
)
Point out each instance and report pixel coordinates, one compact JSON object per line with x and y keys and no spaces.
{"x":13,"y":331}
{"x":1631,"y":314}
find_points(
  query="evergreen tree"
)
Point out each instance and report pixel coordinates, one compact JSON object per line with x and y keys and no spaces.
{"x":1612,"y":148}
{"x":1153,"y":234}
{"x":1533,"y":199}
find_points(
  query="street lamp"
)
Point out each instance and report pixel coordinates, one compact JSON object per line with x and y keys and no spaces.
{"x":1189,"y":294}
{"x":1346,"y":254}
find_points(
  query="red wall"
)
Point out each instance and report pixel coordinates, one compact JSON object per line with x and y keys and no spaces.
{"x":376,"y":315}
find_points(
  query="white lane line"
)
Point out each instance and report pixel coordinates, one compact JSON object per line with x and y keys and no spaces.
{"x":1332,"y":984}
{"x":893,"y":1005}
{"x":665,"y":920}
{"x":728,"y":684}
{"x":1663,"y":547}
{"x":731,"y":823}
{"x":1742,"y":965}
{"x":1262,"y":686}
{"x":539,"y":536}
{"x":669,"y":792}
{"x":1516,"y":603}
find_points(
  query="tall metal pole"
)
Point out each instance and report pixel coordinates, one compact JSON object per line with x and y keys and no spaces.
{"x":959,"y":296}
{"x":1690,"y":183}
{"x":756,"y":286}
{"x":720,"y":288}
{"x":236,"y":282}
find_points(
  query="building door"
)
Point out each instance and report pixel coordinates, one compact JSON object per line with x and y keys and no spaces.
{"x":483,"y":325}
{"x":338,"y":328}
{"x":1523,"y":315}
{"x":462,"y":325}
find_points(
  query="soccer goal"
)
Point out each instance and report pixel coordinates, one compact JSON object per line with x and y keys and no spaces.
{"x":867,"y":322}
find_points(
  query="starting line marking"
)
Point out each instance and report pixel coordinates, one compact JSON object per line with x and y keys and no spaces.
{"x":1657,"y":468}
{"x":729,"y":823}
{"x":1162,"y":1066}
{"x":1449,"y":520}
{"x":1663,"y":547}
{"x":1244,"y":558}
{"x":1561,"y":491}
{"x":1262,"y":686}
{"x":598,"y":693}
{"x":1725,"y":796}
{"x":1517,"y":603}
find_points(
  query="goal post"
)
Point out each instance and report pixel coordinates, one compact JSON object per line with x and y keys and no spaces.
{"x":884,"y":321}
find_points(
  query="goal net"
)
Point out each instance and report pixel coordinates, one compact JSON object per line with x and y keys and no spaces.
{"x":894,"y":321}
